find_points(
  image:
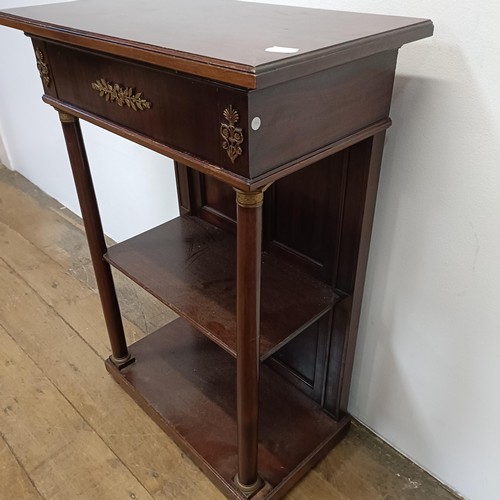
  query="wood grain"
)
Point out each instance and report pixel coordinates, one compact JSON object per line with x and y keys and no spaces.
{"x":34,"y":226}
{"x":45,"y":431}
{"x":72,"y":365}
{"x":358,"y":89}
{"x":229,"y":48}
{"x":14,"y":479}
{"x":202,"y":376}
{"x":95,"y":236}
{"x":55,"y":245}
{"x":190,"y":266}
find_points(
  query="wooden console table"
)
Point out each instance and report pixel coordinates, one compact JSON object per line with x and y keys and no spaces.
{"x":285,"y":110}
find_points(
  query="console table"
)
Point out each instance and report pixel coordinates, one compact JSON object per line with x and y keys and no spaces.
{"x":275,"y":117}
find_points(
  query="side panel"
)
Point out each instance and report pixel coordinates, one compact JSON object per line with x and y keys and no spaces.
{"x":303,"y":115}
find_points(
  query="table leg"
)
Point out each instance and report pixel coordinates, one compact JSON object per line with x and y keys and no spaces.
{"x":95,"y":237}
{"x":248,"y":267}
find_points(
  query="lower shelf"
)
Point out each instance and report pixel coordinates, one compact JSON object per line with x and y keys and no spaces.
{"x":187,"y":385}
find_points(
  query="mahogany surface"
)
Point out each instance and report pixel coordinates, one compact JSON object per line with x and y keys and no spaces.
{"x":338,"y":193}
{"x":307,"y":125}
{"x":186,"y":112}
{"x":248,"y":324}
{"x":178,"y":370}
{"x":190,"y":265}
{"x":95,"y":236}
{"x":224,"y":40}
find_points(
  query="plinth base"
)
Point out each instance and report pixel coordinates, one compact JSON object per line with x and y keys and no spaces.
{"x":186,"y":384}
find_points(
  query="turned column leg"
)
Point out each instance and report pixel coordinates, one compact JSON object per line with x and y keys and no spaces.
{"x":248,"y":252}
{"x":95,"y":237}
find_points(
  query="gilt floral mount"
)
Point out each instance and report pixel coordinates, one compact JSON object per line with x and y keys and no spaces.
{"x":112,"y":92}
{"x":232,"y":135}
{"x":43,"y":69}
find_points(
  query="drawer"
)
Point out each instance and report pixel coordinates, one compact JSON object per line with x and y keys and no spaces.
{"x":183,"y":112}
{"x":247,"y":132}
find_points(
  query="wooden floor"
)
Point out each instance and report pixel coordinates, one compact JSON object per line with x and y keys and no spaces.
{"x":67,"y":430}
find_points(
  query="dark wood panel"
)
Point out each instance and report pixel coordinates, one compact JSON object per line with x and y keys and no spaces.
{"x":190,"y":265}
{"x":303,"y":360}
{"x":337,"y":352}
{"x":219,"y":197}
{"x":306,"y":212}
{"x":303,"y":115}
{"x":44,"y":67}
{"x":301,"y":354}
{"x":367,"y":157}
{"x":344,"y":274}
{"x":230,"y":47}
{"x":316,"y":217}
{"x":185,"y":112}
{"x":215,"y":201}
{"x":329,"y":92}
{"x":302,"y":212}
{"x":179,"y":376}
{"x":182,"y":181}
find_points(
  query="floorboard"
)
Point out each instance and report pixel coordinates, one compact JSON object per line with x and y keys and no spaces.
{"x":51,"y":441}
{"x":14,"y":479}
{"x":67,"y":430}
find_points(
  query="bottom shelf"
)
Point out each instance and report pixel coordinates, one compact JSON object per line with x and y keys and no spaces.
{"x":187,"y":385}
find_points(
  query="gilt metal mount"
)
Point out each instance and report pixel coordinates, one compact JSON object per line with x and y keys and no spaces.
{"x":43,"y":69}
{"x":65,"y":117}
{"x":232,"y":135}
{"x":112,"y":92}
{"x":250,"y":199}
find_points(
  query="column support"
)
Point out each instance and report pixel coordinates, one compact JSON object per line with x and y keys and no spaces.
{"x":248,"y":270}
{"x":95,"y":237}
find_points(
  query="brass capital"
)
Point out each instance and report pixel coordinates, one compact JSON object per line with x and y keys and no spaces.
{"x":250,"y":199}
{"x":66,"y":118}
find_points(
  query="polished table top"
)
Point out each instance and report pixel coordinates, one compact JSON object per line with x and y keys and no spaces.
{"x":234,"y":37}
{"x":248,"y":94}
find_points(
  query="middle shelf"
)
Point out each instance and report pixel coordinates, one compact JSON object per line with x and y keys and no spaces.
{"x":190,"y":265}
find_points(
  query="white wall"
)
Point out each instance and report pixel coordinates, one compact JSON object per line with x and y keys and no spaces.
{"x":4,"y":156}
{"x":427,"y":371}
{"x":135,"y":187}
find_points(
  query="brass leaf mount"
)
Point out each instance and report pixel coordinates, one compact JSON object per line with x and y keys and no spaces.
{"x":43,"y":69}
{"x":112,"y":92}
{"x":232,"y":135}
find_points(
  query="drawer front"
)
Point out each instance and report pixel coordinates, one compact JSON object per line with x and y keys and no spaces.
{"x":180,"y":111}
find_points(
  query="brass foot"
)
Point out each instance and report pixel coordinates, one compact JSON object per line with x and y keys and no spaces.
{"x":122,"y":362}
{"x":249,"y":490}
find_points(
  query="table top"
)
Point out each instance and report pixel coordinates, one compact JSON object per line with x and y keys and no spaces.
{"x":230,"y":36}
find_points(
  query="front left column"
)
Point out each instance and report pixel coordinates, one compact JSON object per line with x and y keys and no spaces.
{"x":95,"y":237}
